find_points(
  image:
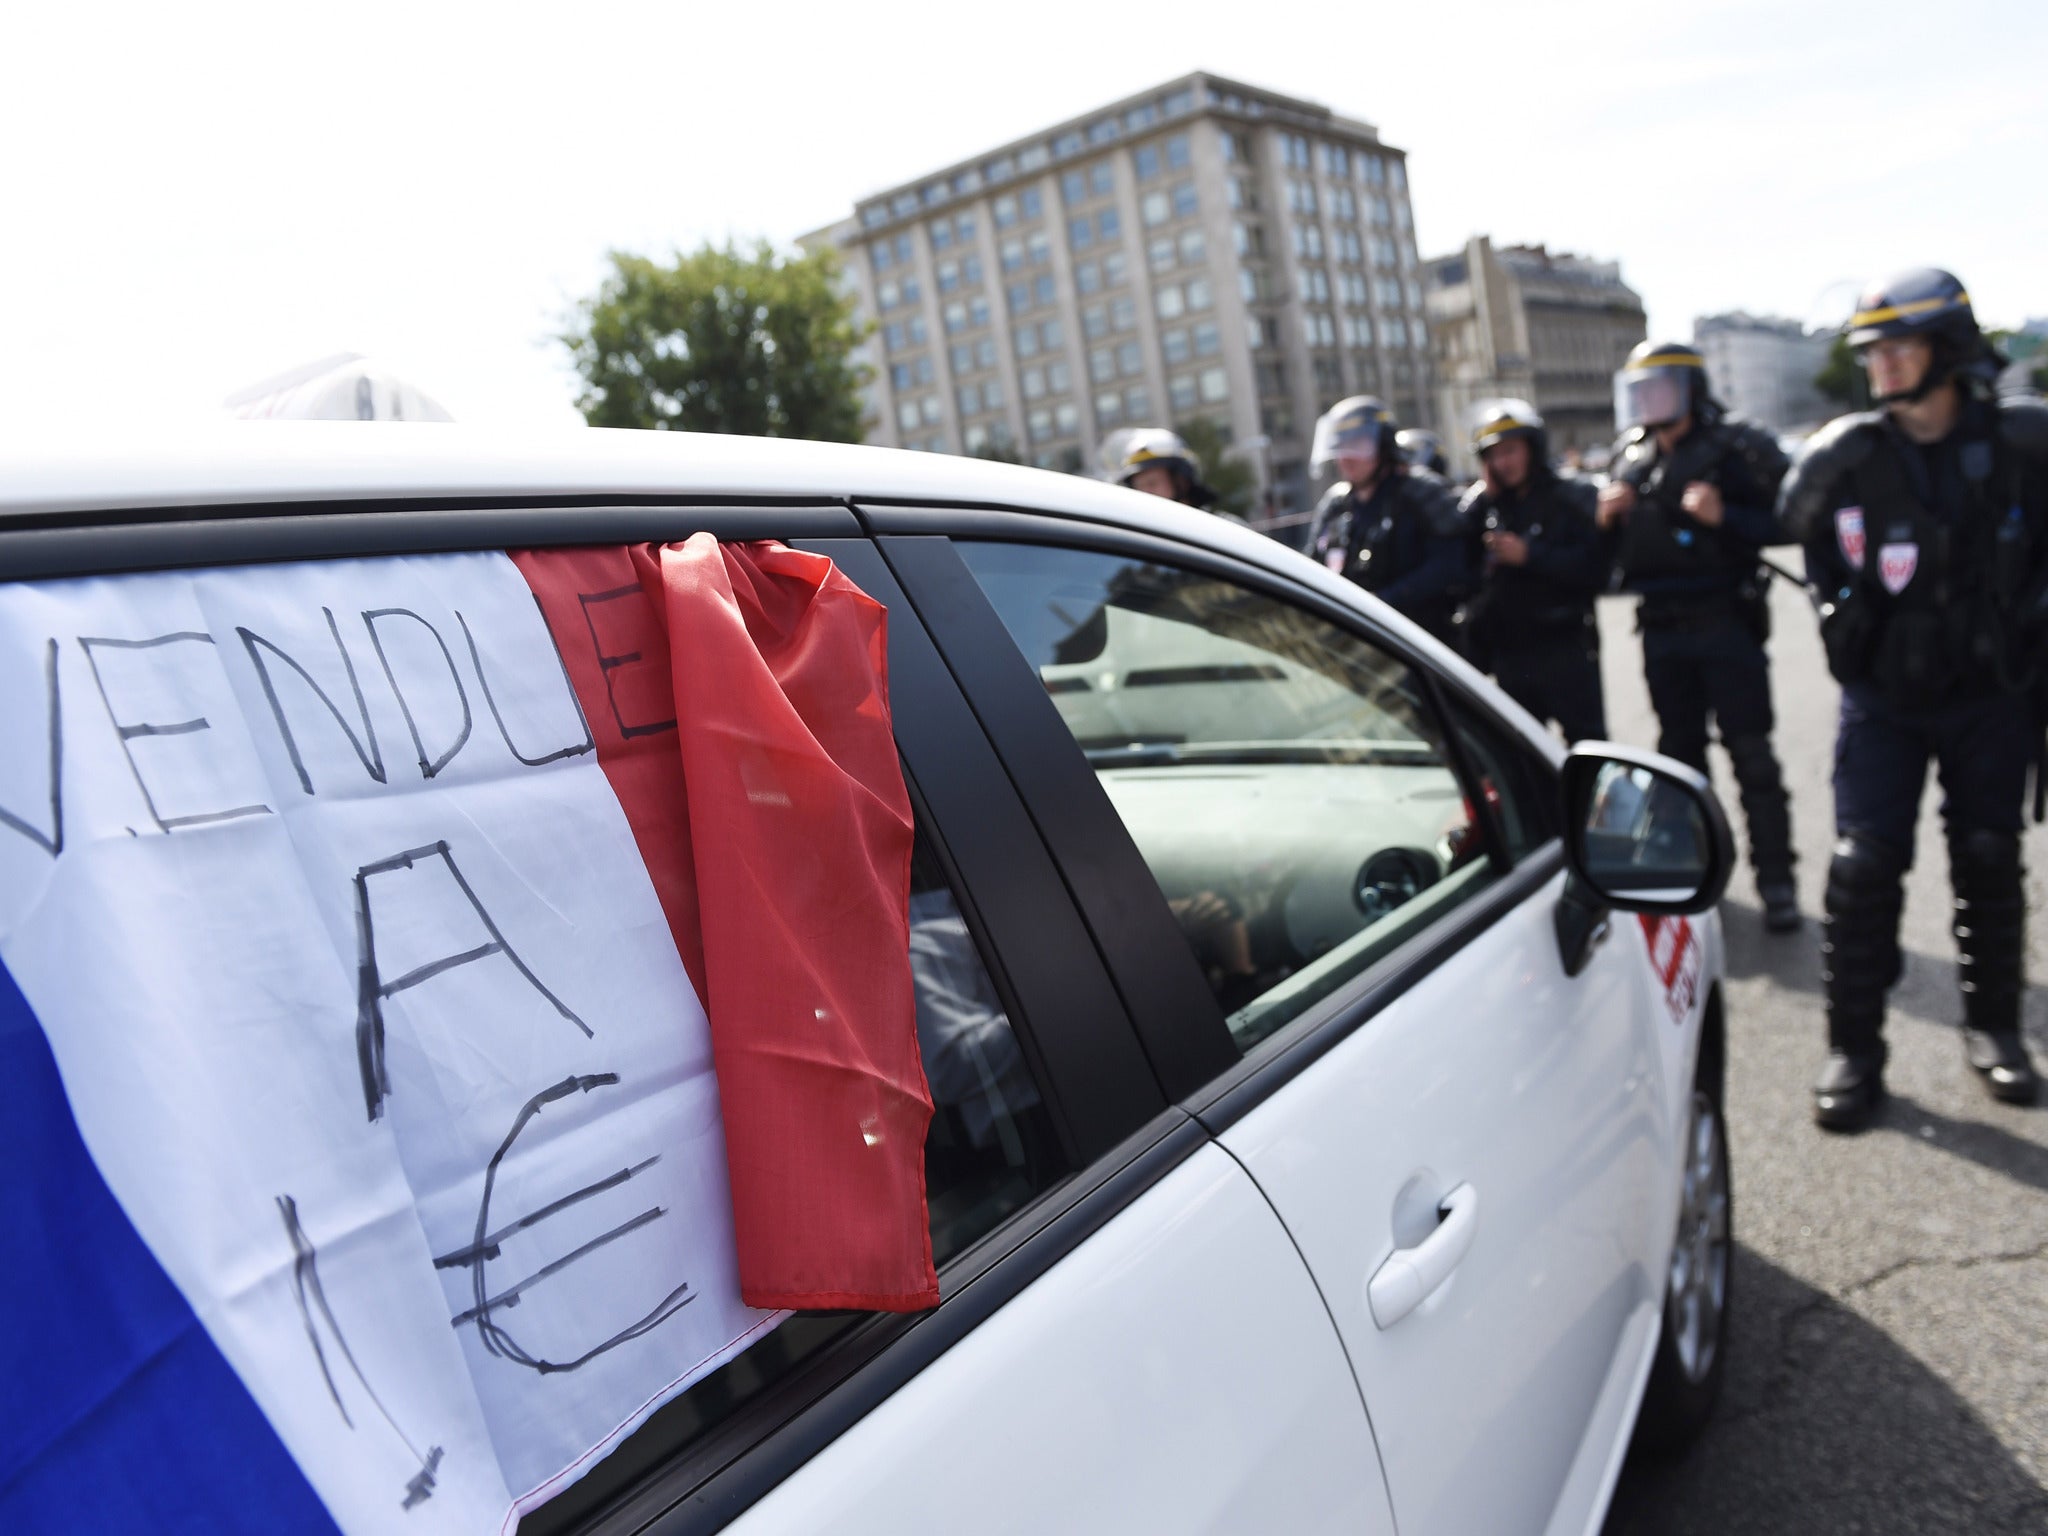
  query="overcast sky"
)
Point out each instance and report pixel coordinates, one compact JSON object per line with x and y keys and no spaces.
{"x":196,"y":195}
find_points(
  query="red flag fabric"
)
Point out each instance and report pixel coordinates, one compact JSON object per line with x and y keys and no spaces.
{"x":738,"y":696}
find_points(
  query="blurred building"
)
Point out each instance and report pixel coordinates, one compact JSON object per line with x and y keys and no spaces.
{"x":1203,"y":249}
{"x":1763,"y":369}
{"x":1549,"y":328}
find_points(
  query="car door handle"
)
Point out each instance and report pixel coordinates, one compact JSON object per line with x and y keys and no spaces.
{"x":1400,"y":1285}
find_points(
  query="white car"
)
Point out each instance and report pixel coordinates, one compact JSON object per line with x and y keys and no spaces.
{"x":1327,"y":1066}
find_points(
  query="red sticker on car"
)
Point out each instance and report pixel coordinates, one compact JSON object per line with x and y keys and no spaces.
{"x":1678,"y":959}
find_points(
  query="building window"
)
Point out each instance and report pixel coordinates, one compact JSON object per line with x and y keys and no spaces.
{"x":1088,"y":277}
{"x":1375,"y":170}
{"x":1348,"y":246}
{"x":1068,"y":143}
{"x":1025,"y":339}
{"x":1308,"y":241}
{"x":1214,"y":385}
{"x":1102,"y":365}
{"x":1155,"y":208}
{"x":1033,"y":159}
{"x":985,"y":351}
{"x":1162,"y":254}
{"x":1351,"y":287}
{"x":1179,"y":104}
{"x":1244,"y":194}
{"x":1108,"y":224}
{"x":1336,"y":162}
{"x":1102,"y":130}
{"x":1328,"y":376}
{"x":1301,"y":196}
{"x":1357,"y":331}
{"x":1294,"y":151}
{"x":1271,"y":377}
{"x":1343,"y":205}
{"x":1044,"y":289}
{"x":1382,"y":210}
{"x":1382,"y":250}
{"x":1235,"y":150}
{"x":1397,"y":176}
{"x":968,"y":398}
{"x":1094,"y":321}
{"x":1101,"y":179}
{"x":1067,"y":418}
{"x":1018,"y":296}
{"x":1112,"y":269}
{"x":1184,"y":203}
{"x":1199,"y":295}
{"x":1128,"y":359}
{"x":949,"y":276}
{"x":1177,"y":152}
{"x":1167,"y":302}
{"x":1174,"y":347}
{"x":1145,"y":161}
{"x":1039,"y":425}
{"x":1139,"y":118}
{"x":1030,"y":204}
{"x":1109,"y":408}
{"x":906,"y":415}
{"x":1123,"y":314}
{"x":961,"y":356}
{"x":1181,"y":392}
{"x":1208,"y":340}
{"x":1001,"y":169}
{"x":1074,"y":186}
{"x":1315,"y":285}
{"x":1080,"y":233}
{"x":1004,"y":211}
{"x":1137,"y":402}
{"x":1396,"y":330}
{"x":1194,"y":250}
{"x":1033,"y":382}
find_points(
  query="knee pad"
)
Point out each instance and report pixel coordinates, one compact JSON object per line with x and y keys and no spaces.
{"x":1752,"y":758}
{"x":1981,"y":859}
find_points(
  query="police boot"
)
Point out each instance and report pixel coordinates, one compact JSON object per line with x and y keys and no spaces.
{"x":1990,"y":928}
{"x":1860,"y":962}
{"x":1768,"y":813}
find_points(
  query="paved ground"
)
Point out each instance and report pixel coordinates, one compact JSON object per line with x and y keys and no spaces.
{"x":1888,"y":1366}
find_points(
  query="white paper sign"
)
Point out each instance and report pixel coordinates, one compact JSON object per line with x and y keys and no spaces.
{"x":369,"y":1015}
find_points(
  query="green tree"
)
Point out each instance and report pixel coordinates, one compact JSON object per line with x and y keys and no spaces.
{"x":1838,"y":379}
{"x":721,"y":340}
{"x":1230,"y":477}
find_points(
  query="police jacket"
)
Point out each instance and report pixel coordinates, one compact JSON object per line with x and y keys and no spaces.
{"x":1677,"y":562}
{"x":1931,"y":560}
{"x":1402,"y":540}
{"x":1550,"y":595}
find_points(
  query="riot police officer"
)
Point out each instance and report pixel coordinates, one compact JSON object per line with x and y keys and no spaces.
{"x":1419,"y":445}
{"x":1688,"y":508}
{"x":1389,"y":526}
{"x":1531,"y":623}
{"x":1925,"y":524}
{"x":1158,"y":461}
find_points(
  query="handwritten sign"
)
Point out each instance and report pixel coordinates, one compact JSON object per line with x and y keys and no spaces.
{"x":368,"y":1015}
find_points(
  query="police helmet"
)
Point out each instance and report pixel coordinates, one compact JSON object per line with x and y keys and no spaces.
{"x":1925,"y":302}
{"x":1659,"y":384}
{"x":1360,"y":427}
{"x":1136,"y":449}
{"x":1422,"y":447}
{"x":1496,"y":420}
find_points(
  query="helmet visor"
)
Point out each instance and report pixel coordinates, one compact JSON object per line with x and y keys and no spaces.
{"x":1650,"y":397}
{"x":1351,"y":434}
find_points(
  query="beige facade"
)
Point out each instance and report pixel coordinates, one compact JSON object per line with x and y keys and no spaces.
{"x":1548,"y":328}
{"x":1203,"y":249}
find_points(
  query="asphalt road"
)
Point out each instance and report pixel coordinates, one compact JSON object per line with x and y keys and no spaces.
{"x":1888,"y":1346}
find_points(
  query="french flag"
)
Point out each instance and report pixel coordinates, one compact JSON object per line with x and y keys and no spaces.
{"x":449,"y":1004}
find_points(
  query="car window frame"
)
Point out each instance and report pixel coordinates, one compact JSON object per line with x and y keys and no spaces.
{"x":1120,"y":1134}
{"x":1220,"y":1097}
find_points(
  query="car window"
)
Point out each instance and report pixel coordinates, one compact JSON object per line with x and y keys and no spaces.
{"x":1520,"y":789}
{"x":991,"y":1149}
{"x":1286,"y":780}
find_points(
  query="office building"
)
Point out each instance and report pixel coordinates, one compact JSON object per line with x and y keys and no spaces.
{"x":1203,"y":249}
{"x":1763,"y":369}
{"x":1549,"y":328}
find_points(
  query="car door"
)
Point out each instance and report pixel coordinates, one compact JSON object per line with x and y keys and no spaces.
{"x":1359,"y":904}
{"x":1125,"y":1327}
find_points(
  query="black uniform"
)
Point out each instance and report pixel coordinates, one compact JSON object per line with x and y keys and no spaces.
{"x":1933,"y":565}
{"x":1401,"y":541}
{"x":1703,"y":615}
{"x":1532,"y":625}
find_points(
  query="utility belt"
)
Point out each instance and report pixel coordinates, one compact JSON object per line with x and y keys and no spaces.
{"x":1748,"y":604}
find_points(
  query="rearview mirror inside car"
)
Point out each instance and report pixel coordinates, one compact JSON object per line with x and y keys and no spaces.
{"x":1643,"y":832}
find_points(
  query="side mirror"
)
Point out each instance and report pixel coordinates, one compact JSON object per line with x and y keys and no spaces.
{"x":1644,"y":833}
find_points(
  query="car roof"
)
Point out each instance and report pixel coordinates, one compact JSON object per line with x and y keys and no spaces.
{"x":278,"y":463}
